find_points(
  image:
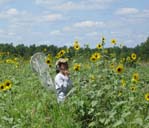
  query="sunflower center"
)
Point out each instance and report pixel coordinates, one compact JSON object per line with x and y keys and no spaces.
{"x":7,"y":84}
{"x":77,"y":68}
{"x":2,"y":87}
{"x":119,"y":69}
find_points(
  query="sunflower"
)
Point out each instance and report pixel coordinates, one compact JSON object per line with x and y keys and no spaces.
{"x":113,"y":41}
{"x":60,"y":53}
{"x":135,"y":76}
{"x":76,"y":45}
{"x":99,"y":46}
{"x":133,"y":56}
{"x":120,"y":68}
{"x":48,"y":61}
{"x":93,"y":58}
{"x":77,"y":67}
{"x":103,"y":39}
{"x":133,"y":88}
{"x":2,"y":87}
{"x":7,"y":84}
{"x":97,"y":55}
{"x":147,"y":96}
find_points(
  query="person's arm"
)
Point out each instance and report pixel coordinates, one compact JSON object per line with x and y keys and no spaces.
{"x":59,"y":83}
{"x":67,"y":83}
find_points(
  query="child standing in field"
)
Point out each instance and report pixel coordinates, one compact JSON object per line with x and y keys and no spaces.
{"x":62,"y":80}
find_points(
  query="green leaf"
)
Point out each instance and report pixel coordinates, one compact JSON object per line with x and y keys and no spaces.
{"x":112,"y":114}
{"x":147,"y":118}
{"x":16,"y":126}
{"x":124,"y":115}
{"x":121,"y":103}
{"x":10,"y":120}
{"x":92,"y":124}
{"x":99,"y":93}
{"x":107,"y":121}
{"x":102,"y":120}
{"x":91,"y":111}
{"x":138,"y":121}
{"x":118,"y":123}
{"x":39,"y":106}
{"x":94,"y":103}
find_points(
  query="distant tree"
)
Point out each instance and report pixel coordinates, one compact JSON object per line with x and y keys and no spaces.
{"x":141,"y":50}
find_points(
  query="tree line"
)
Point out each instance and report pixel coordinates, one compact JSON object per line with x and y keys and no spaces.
{"x":142,"y":50}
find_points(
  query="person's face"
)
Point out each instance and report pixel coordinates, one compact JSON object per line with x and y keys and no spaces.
{"x":63,"y":67}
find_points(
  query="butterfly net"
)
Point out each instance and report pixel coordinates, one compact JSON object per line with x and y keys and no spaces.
{"x":39,"y":66}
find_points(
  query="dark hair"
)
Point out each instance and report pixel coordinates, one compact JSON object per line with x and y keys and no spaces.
{"x":59,"y":65}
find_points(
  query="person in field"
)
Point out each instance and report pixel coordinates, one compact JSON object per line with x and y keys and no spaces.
{"x":63,"y":83}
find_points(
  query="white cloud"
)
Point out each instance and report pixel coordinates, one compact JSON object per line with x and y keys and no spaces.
{"x":77,"y":5}
{"x":55,"y":32}
{"x":89,"y":24}
{"x":10,"y":14}
{"x":84,"y":26}
{"x":49,"y":2}
{"x":12,"y":11}
{"x":132,"y":15}
{"x":127,"y":11}
{"x":52,"y":17}
{"x":143,"y":14}
{"x":82,"y":5}
{"x":68,"y":6}
{"x":92,"y":34}
{"x":23,"y":18}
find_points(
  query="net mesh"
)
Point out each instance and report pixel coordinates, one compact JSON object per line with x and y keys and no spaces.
{"x":39,"y":66}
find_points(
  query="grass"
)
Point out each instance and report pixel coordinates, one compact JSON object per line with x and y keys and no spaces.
{"x":29,"y":105}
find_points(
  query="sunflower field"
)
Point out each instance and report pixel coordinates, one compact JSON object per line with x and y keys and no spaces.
{"x":107,"y":92}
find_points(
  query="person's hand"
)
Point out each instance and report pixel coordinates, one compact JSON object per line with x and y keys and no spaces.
{"x":66,"y":73}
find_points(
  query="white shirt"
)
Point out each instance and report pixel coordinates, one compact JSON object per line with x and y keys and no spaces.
{"x":62,"y":85}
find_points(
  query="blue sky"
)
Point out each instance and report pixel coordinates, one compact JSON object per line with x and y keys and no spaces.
{"x":61,"y":22}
